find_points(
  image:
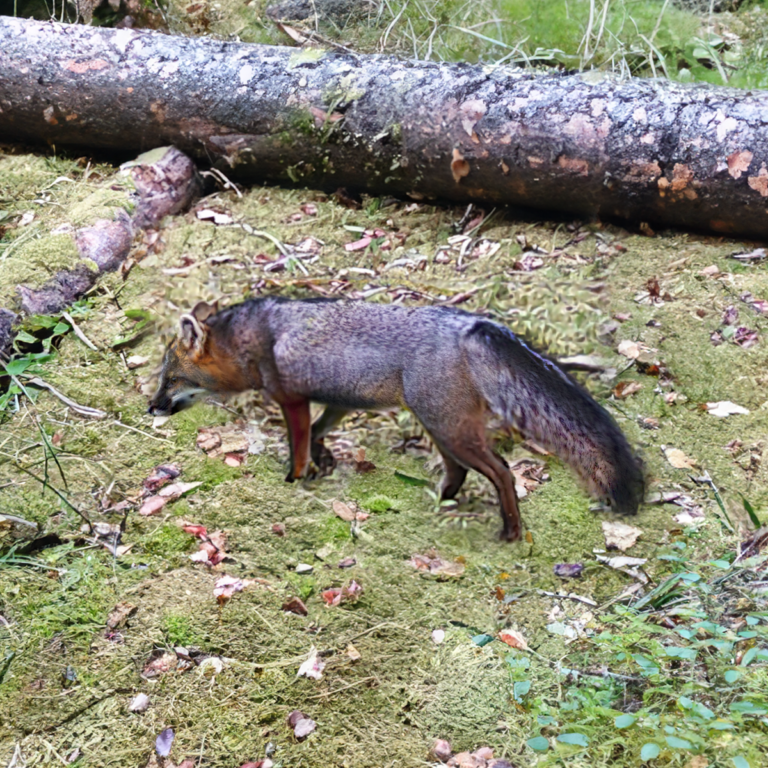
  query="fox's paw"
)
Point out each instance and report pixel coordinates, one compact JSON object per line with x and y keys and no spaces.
{"x":323,"y":460}
{"x":510,"y":535}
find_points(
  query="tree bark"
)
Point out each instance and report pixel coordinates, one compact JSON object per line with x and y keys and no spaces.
{"x":648,"y":150}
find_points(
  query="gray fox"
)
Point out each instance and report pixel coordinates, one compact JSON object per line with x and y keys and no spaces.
{"x":449,"y":367}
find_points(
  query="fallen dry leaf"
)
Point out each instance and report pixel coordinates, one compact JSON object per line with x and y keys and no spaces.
{"x":626,"y":388}
{"x":529,"y":474}
{"x":295,"y":605}
{"x":136,"y":361}
{"x":312,"y":667}
{"x":139,"y":703}
{"x":435,"y":565}
{"x":359,"y":245}
{"x":344,"y":511}
{"x":213,"y":546}
{"x":163,"y":742}
{"x":730,"y":315}
{"x":159,"y":663}
{"x":568,"y":570}
{"x":194,"y":529}
{"x":629,"y":349}
{"x":352,"y":653}
{"x":152,"y":505}
{"x":349,"y":512}
{"x":620,"y":536}
{"x":120,"y":614}
{"x":233,"y":441}
{"x":677,"y":458}
{"x":746,"y":337}
{"x":724,"y":408}
{"x":513,"y":639}
{"x":336,"y":595}
{"x":175,"y":490}
{"x":301,"y":724}
{"x":441,"y":750}
{"x":217,"y":217}
{"x":623,"y":561}
{"x":226,"y":587}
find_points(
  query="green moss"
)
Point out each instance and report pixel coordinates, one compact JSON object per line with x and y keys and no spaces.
{"x":168,"y":540}
{"x":179,"y":629}
{"x":101,"y":204}
{"x":37,"y":261}
{"x":377,"y":502}
{"x":332,"y":530}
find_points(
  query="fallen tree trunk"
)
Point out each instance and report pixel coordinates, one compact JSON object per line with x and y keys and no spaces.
{"x":648,"y":150}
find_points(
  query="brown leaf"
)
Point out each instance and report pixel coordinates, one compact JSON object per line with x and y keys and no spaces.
{"x":120,"y":614}
{"x":626,"y":388}
{"x":193,"y":529}
{"x":159,"y":663}
{"x":295,"y":605}
{"x":513,"y":639}
{"x":335,"y":595}
{"x":436,"y":565}
{"x":347,"y":512}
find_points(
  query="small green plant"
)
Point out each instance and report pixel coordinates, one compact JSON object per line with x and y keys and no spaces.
{"x":178,"y":629}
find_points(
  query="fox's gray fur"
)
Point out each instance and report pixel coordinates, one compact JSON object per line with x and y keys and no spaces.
{"x":448,"y":366}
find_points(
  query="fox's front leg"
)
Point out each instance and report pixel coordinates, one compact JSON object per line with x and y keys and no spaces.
{"x":296,"y":414}
{"x":322,"y":457}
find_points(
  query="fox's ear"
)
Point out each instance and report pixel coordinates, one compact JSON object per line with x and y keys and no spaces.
{"x":192,"y":334}
{"x":202,"y":310}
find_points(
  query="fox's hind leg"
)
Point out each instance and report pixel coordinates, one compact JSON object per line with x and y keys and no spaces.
{"x":453,"y":479}
{"x":467,"y":446}
{"x":322,"y":458}
{"x":297,"y":419}
{"x":455,"y":418}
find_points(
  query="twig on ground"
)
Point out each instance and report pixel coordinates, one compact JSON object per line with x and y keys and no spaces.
{"x":78,"y":332}
{"x":83,"y":410}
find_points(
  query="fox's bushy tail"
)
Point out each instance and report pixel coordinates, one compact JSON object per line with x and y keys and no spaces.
{"x":541,"y":401}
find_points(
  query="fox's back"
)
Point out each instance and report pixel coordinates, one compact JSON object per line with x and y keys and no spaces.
{"x":353,"y":354}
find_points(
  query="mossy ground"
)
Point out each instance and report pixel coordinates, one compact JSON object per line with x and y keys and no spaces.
{"x":404,"y":691}
{"x":42,"y":194}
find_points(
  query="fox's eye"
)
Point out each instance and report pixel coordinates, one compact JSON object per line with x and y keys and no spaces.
{"x":172,"y":380}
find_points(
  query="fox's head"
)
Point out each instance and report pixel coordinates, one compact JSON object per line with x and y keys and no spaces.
{"x":189,"y":370}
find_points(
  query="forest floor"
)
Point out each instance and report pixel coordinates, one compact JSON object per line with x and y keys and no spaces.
{"x":667,"y":655}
